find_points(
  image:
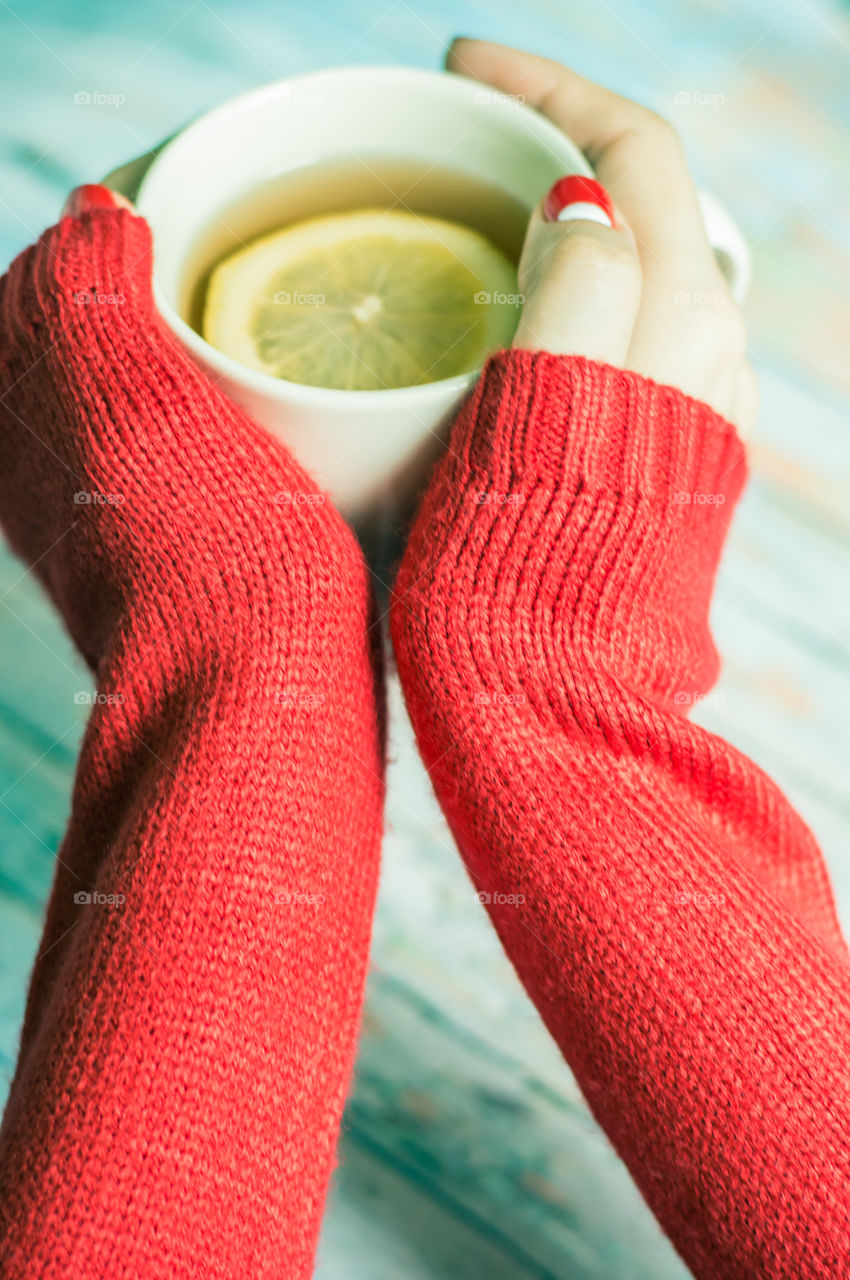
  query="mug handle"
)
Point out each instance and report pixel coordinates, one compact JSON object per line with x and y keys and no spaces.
{"x":727,"y":240}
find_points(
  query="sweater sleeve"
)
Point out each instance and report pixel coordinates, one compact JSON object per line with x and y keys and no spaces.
{"x":192,"y":1016}
{"x":667,"y":910}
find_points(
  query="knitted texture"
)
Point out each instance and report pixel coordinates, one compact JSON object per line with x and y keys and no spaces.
{"x":666,"y":909}
{"x":190,"y":1028}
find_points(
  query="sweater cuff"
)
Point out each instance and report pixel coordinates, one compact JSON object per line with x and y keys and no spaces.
{"x":576,"y":423}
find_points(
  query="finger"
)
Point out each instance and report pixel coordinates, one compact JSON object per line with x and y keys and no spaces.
{"x":92,"y":196}
{"x":635,"y":153}
{"x":698,"y":343}
{"x":695,"y":345}
{"x":579,"y":274}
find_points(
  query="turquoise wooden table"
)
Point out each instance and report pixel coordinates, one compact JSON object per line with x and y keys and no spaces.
{"x":467,"y":1149}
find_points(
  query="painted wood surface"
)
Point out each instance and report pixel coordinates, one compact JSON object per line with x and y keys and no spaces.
{"x":467,"y":1149}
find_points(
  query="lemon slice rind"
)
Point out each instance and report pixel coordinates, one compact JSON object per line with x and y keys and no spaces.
{"x":363,"y":300}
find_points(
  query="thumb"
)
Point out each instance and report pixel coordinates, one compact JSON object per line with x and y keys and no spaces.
{"x":94,"y":267}
{"x":89,"y":275}
{"x":579,"y":275}
{"x":91,"y":196}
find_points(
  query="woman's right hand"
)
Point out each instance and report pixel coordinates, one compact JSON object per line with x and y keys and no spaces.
{"x":646,"y":294}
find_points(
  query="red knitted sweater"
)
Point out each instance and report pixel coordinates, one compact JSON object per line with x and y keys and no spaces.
{"x":186,"y":1051}
{"x":190,"y":1029}
{"x":677,"y":931}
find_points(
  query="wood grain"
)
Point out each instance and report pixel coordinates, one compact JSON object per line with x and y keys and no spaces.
{"x":468,"y":1150}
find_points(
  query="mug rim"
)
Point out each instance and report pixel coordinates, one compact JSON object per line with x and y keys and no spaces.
{"x":267,"y":384}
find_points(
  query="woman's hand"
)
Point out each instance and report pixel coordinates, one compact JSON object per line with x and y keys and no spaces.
{"x":192,"y":1016}
{"x":646,"y":294}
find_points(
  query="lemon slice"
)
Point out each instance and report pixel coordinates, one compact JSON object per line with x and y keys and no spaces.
{"x":363,"y":301}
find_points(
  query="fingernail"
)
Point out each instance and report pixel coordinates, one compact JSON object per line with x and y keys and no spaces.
{"x":579,"y":197}
{"x":87,"y":198}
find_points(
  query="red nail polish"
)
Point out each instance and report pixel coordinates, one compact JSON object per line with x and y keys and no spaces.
{"x":87,"y":198}
{"x":577,"y":190}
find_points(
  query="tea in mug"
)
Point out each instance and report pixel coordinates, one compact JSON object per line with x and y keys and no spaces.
{"x":360,"y":274}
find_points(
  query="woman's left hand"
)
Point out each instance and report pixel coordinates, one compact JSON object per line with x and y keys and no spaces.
{"x":646,"y":293}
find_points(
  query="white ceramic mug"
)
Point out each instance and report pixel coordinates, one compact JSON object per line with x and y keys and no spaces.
{"x":368,"y":448}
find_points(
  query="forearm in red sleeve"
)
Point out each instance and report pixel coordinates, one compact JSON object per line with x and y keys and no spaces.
{"x":192,"y":1017}
{"x":667,"y":910}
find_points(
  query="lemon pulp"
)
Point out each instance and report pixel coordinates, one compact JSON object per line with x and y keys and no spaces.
{"x":362,"y":301}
